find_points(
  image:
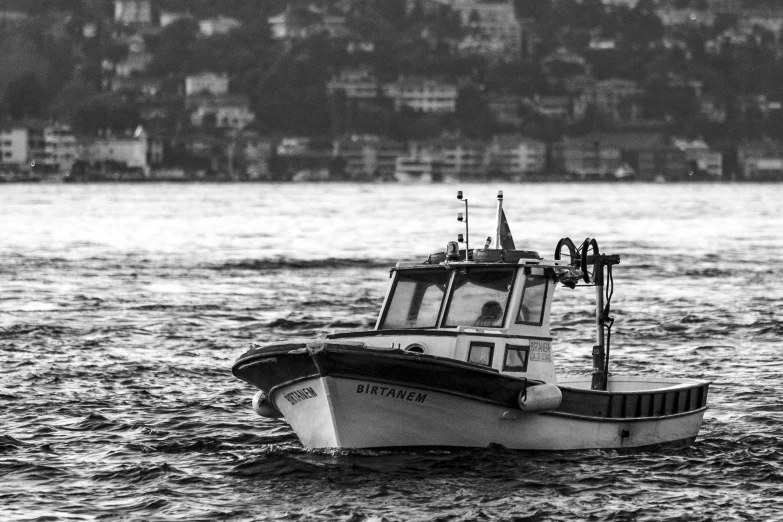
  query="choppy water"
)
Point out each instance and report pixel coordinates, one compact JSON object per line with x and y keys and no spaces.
{"x":122,"y":309}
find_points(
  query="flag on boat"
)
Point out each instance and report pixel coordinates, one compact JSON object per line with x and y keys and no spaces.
{"x":505,"y":240}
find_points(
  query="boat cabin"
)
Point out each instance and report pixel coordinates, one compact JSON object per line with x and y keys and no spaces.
{"x":494,"y":314}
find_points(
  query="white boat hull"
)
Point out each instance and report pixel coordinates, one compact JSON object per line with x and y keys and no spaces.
{"x":329,"y":412}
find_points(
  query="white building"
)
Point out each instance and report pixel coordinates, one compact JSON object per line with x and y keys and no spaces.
{"x":207,"y":82}
{"x":229,"y":111}
{"x":418,"y":167}
{"x":52,"y":148}
{"x":133,"y":12}
{"x":168,"y":18}
{"x":495,"y":21}
{"x":458,"y":157}
{"x":218,"y":25}
{"x":134,"y":63}
{"x":358,"y":84}
{"x":368,"y":156}
{"x":129,"y":151}
{"x":422,"y":95}
{"x":14,"y":149}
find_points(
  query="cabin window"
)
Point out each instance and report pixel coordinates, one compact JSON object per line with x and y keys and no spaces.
{"x":516,"y":358}
{"x":481,"y":353}
{"x":480,"y":297}
{"x":531,"y":311}
{"x":415,"y":299}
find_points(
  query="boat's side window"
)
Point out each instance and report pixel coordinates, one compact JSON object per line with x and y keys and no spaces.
{"x":481,"y":353}
{"x":480,"y":297}
{"x":531,"y":311}
{"x":416,"y":298}
{"x":516,"y":358}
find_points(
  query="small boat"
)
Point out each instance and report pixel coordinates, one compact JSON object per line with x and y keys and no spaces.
{"x":462,"y":356}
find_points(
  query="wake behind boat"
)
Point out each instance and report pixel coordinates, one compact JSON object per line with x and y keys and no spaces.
{"x":461,"y":356}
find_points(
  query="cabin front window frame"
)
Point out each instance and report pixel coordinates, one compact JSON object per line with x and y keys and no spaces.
{"x":528,"y":277}
{"x":453,"y":289}
{"x":393,"y":291}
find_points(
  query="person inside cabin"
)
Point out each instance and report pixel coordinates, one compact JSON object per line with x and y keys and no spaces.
{"x":491,"y":313}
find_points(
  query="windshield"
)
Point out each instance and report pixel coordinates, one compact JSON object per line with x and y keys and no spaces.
{"x":531,"y":311}
{"x":480,"y":297}
{"x":416,"y":298}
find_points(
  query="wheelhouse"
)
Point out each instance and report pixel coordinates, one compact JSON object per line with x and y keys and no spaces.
{"x":492,"y":296}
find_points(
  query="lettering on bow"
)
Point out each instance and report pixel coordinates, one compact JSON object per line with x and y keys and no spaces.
{"x":394,"y":393}
{"x":300,"y":395}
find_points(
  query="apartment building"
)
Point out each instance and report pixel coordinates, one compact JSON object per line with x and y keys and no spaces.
{"x":206,"y":83}
{"x":586,"y":157}
{"x":129,"y":12}
{"x":14,"y":147}
{"x":368,"y":156}
{"x":51,"y":148}
{"x":357,"y":84}
{"x":225,"y":111}
{"x":514,"y":155}
{"x":422,"y":95}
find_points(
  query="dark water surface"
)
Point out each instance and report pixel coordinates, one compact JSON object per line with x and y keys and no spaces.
{"x":122,"y":309}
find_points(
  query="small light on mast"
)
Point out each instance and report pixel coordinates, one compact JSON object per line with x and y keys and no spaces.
{"x":460,"y":238}
{"x":500,"y":194}
{"x":459,"y":217}
{"x":459,"y":194}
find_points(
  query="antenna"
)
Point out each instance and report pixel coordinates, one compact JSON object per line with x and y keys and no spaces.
{"x":460,"y":218}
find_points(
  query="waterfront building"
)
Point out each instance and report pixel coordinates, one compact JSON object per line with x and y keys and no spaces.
{"x":699,"y":154}
{"x":649,"y":154}
{"x":367,"y":156}
{"x":422,"y":95}
{"x":51,"y":148}
{"x":14,"y":146}
{"x":418,"y":166}
{"x":253,"y":154}
{"x":457,"y":157}
{"x":586,"y":157}
{"x":206,"y":82}
{"x":761,"y":161}
{"x":516,"y":155}
{"x":126,"y":153}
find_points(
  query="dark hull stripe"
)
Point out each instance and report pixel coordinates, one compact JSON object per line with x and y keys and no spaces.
{"x":270,"y":367}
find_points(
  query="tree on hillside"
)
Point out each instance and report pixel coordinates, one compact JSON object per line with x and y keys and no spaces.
{"x":24,"y":97}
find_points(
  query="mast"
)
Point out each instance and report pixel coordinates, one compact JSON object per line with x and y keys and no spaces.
{"x":599,"y":354}
{"x":499,"y":220}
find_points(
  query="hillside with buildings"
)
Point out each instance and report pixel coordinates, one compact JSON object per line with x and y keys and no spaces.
{"x":391,"y":89}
